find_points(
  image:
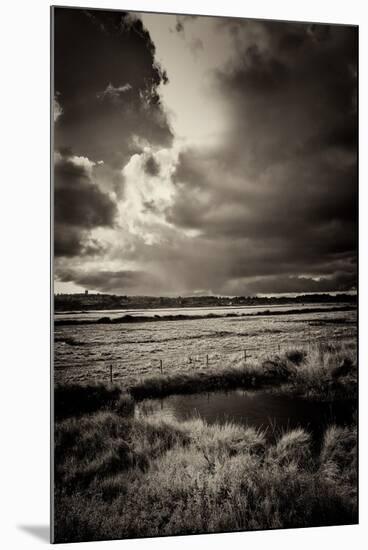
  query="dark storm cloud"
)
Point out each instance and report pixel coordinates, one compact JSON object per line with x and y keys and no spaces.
{"x":119,"y":282}
{"x":80,"y":206}
{"x":285,"y":101}
{"x":106,"y":79}
{"x":72,"y":241}
{"x":284,"y":182}
{"x":275,"y":285}
{"x":79,"y":201}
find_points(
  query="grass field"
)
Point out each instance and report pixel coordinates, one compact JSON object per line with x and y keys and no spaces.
{"x":118,"y":476}
{"x":84,"y":353}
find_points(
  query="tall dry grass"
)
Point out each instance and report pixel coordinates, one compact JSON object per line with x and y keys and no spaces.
{"x":122,"y":477}
{"x":327,"y":372}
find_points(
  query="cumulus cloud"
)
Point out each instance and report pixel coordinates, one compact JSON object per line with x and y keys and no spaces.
{"x":148,"y":193}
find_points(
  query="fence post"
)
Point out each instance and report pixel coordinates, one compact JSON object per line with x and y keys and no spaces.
{"x":245,"y":355}
{"x":207,"y":359}
{"x":111,"y":374}
{"x":161,"y":365}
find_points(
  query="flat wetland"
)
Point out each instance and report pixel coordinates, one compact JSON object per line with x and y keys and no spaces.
{"x":84,"y":353}
{"x":207,"y":424}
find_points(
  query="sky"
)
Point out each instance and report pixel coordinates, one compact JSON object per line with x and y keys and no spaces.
{"x":203,"y":155}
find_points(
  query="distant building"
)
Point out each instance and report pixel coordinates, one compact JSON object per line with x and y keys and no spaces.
{"x":86,"y":292}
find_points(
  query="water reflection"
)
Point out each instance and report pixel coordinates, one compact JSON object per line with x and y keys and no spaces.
{"x":252,"y":408}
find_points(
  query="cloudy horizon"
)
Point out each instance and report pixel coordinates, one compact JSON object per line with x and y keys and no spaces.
{"x":203,"y":155}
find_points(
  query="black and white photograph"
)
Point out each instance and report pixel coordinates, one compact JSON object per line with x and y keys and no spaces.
{"x":204,"y":216}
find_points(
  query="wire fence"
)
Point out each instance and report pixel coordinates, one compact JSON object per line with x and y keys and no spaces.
{"x":165,"y":363}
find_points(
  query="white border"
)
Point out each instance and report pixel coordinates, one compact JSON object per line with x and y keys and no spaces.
{"x":25,"y":213}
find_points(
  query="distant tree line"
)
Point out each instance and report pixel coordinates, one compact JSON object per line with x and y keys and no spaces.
{"x":77,"y":302}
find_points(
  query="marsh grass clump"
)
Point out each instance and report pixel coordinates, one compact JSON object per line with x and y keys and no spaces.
{"x":277,"y":369}
{"x":326,"y":373}
{"x":338,"y":459}
{"x":293,"y":448}
{"x":227,"y":439}
{"x":98,"y":445}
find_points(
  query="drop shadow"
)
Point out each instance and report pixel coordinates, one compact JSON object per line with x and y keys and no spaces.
{"x":41,"y":532}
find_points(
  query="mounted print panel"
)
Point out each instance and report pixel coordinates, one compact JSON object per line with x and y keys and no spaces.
{"x":205,"y":274}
